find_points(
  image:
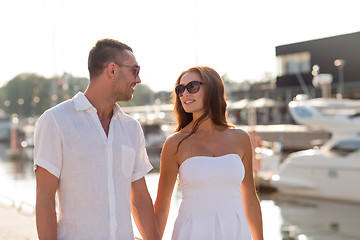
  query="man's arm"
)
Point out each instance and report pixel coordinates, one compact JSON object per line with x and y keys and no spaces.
{"x":46,"y":221}
{"x":143,"y":211}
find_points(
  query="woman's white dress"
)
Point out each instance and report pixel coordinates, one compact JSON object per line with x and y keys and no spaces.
{"x":211,"y":207}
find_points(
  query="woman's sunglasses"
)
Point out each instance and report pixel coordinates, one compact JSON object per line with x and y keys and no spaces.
{"x":192,"y":87}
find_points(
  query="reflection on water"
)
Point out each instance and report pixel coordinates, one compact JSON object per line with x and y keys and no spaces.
{"x":284,"y":218}
{"x":319,"y":219}
{"x":17,"y":180}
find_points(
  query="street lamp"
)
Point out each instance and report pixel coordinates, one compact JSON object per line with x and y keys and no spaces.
{"x":322,"y":80}
{"x":340,"y":63}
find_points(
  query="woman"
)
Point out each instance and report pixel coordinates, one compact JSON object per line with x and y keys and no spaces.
{"x":214,"y":162}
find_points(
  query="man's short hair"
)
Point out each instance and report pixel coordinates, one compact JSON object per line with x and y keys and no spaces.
{"x":104,"y":52}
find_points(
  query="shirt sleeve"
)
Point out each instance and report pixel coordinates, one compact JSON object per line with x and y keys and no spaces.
{"x":142,"y":163}
{"x":47,"y":145}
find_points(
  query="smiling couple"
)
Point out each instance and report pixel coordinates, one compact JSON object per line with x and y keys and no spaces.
{"x":92,"y":154}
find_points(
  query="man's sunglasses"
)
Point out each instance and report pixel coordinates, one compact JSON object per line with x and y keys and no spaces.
{"x":137,"y":68}
{"x":192,"y":87}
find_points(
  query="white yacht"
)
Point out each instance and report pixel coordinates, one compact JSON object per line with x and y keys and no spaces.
{"x":338,"y":116}
{"x":333,"y":170}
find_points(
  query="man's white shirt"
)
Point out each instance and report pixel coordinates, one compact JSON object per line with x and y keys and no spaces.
{"x":95,"y":171}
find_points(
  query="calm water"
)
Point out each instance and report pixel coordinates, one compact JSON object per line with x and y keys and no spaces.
{"x":284,"y":218}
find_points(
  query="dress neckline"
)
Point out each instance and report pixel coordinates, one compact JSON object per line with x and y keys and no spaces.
{"x":213,"y":157}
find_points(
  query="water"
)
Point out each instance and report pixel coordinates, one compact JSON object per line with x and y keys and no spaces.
{"x":284,"y":218}
{"x":17,"y":180}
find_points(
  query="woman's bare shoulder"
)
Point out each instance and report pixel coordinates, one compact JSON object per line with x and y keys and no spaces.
{"x":239,"y":134}
{"x":172,"y":142}
{"x":174,"y":138}
{"x":241,"y":143}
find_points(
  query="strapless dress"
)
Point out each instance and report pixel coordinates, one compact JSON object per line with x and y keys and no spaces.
{"x":211,"y":206}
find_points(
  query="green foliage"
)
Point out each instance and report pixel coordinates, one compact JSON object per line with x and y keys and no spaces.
{"x":17,"y":96}
{"x":143,"y":95}
{"x":29,"y":94}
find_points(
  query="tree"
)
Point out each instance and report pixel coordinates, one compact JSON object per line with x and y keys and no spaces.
{"x":22,"y":94}
{"x":29,"y":94}
{"x":143,"y":95}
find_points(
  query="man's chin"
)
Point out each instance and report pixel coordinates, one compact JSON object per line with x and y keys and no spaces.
{"x":125,"y":98}
{"x":129,"y":97}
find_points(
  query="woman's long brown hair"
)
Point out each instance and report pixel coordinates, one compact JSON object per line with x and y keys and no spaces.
{"x":214,"y":102}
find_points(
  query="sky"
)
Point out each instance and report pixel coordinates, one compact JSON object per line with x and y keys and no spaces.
{"x":235,"y":37}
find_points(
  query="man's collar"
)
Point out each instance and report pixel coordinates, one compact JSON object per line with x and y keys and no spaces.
{"x":117,"y":110}
{"x":82,"y":103}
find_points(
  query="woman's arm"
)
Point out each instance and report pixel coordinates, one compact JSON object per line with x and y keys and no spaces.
{"x":168,"y":173}
{"x":142,"y":210}
{"x":250,"y":199}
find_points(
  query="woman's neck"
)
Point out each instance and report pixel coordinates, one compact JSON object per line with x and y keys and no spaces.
{"x":207,"y":125}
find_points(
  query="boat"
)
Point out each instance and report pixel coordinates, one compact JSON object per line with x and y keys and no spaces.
{"x":155,"y":121}
{"x":338,"y":116}
{"x":331,"y":171}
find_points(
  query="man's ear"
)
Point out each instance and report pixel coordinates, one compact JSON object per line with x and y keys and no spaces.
{"x":110,"y":69}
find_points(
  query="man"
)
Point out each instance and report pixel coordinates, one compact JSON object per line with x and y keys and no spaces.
{"x":93,"y":155}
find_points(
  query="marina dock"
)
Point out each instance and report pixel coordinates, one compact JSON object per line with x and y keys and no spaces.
{"x":292,"y":137}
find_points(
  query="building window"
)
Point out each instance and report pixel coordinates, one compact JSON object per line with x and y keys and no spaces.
{"x":294,"y":63}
